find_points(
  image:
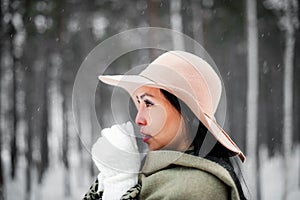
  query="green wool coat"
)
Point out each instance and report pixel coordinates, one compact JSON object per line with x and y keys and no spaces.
{"x":176,"y":175}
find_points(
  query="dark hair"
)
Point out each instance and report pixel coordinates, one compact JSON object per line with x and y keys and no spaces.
{"x":219,"y":153}
{"x":189,"y":118}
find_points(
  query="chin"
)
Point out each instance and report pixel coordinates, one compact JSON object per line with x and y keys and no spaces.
{"x":153,"y":148}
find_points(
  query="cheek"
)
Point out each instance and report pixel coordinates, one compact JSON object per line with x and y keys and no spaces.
{"x":157,"y":119}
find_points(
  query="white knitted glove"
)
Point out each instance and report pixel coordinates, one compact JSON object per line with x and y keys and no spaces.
{"x":116,"y":156}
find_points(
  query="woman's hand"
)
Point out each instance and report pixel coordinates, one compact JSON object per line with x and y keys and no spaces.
{"x":116,"y":156}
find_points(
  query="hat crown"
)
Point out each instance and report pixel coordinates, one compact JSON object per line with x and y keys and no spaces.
{"x":183,"y":71}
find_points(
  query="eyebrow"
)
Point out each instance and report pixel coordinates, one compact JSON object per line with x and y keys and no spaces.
{"x":143,"y":95}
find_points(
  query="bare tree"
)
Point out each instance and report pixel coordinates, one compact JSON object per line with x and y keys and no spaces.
{"x":2,"y":186}
{"x":197,"y":21}
{"x":29,"y":104}
{"x":2,"y":35}
{"x":65,"y":147}
{"x":153,"y":13}
{"x":13,"y":145}
{"x":287,"y":13}
{"x":176,"y":24}
{"x":290,"y":17}
{"x":44,"y":129}
{"x":291,"y":22}
{"x":252,"y":100}
{"x":153,"y":20}
{"x":29,"y":134}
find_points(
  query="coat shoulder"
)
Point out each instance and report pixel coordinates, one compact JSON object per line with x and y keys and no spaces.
{"x":176,"y":176}
{"x":184,"y":183}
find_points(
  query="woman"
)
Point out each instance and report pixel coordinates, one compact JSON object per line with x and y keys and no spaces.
{"x":176,"y":90}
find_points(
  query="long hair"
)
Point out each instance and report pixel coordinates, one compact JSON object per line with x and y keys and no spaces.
{"x":219,"y":153}
{"x":190,"y":120}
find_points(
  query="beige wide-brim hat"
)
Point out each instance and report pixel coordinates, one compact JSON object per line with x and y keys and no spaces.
{"x":190,"y":79}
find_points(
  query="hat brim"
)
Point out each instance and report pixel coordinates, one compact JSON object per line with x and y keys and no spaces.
{"x":221,"y":135}
{"x":128,"y":82}
{"x":132,"y":82}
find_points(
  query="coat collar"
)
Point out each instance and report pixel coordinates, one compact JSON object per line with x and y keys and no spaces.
{"x":162,"y":159}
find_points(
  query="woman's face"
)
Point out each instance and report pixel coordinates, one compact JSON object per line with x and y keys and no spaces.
{"x":161,"y":124}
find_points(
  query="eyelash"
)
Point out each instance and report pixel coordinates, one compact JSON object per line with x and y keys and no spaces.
{"x":147,"y":102}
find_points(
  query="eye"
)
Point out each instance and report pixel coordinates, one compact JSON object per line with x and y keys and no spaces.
{"x":148,"y":103}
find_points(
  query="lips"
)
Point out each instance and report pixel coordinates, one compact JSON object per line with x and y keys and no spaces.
{"x":146,"y":137}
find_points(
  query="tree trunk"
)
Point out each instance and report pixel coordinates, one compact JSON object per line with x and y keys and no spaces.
{"x":2,"y":186}
{"x":176,"y":24}
{"x":290,"y":12}
{"x":197,"y":22}
{"x":79,"y":142}
{"x":13,"y":112}
{"x":28,"y":104}
{"x":65,"y":147}
{"x":28,"y":134}
{"x":13,"y":142}
{"x":44,"y":147}
{"x":252,"y":148}
{"x":154,"y":22}
{"x":153,"y":13}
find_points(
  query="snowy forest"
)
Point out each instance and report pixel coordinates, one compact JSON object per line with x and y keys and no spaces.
{"x":255,"y":44}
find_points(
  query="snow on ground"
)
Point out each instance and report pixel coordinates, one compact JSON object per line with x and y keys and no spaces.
{"x":53,"y":186}
{"x":273,"y":176}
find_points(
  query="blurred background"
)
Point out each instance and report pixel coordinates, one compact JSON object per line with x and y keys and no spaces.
{"x":255,"y":44}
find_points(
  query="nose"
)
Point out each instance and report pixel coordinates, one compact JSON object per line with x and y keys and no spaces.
{"x":141,"y":116}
